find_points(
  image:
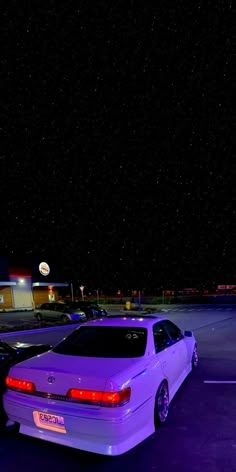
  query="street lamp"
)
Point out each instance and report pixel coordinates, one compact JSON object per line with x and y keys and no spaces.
{"x":82,"y":291}
{"x":72,"y":291}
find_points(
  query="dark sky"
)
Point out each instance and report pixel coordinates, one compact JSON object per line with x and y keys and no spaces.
{"x":117,"y":160}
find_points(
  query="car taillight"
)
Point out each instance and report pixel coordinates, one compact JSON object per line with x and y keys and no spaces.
{"x":100,"y":398}
{"x":20,"y":384}
{"x":117,"y":398}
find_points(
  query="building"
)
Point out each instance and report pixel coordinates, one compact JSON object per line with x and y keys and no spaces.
{"x":23,"y":288}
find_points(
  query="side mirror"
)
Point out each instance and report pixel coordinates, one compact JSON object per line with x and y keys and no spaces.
{"x":188,"y":334}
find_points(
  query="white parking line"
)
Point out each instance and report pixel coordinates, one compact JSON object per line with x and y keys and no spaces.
{"x":219,"y":381}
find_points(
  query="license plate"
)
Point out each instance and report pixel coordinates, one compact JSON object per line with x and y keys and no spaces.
{"x":49,"y":421}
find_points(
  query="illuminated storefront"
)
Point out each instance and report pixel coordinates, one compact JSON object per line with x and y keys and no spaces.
{"x":23,"y":288}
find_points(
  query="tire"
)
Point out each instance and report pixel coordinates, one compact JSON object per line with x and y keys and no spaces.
{"x":161,"y":408}
{"x":3,"y":419}
{"x":64,"y":318}
{"x":38,"y":317}
{"x":92,"y":314}
{"x":10,"y":429}
{"x":195,"y":357}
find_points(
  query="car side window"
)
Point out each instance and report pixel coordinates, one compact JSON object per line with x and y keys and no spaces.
{"x":173,"y":331}
{"x":161,"y":338}
{"x":53,"y":306}
{"x":58,"y":307}
{"x":45,"y":306}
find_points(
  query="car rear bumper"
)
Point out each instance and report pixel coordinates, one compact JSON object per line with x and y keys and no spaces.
{"x":111,"y":433}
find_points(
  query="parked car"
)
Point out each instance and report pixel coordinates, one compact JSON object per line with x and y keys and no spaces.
{"x":105,"y":387}
{"x":91,"y":309}
{"x":11,"y":354}
{"x":59,"y":311}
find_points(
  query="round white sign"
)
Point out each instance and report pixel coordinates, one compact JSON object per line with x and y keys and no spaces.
{"x":44,"y":268}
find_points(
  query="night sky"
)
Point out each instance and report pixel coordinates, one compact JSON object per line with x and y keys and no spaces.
{"x":117,"y":163}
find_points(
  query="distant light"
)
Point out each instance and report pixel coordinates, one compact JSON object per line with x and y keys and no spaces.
{"x":21,"y":281}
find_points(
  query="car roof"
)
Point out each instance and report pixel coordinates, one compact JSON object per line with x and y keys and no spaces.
{"x":78,"y":302}
{"x":126,"y":320}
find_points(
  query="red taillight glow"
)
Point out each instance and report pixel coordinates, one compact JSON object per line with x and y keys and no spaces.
{"x":20,"y":384}
{"x":102,"y":398}
{"x":85,"y":395}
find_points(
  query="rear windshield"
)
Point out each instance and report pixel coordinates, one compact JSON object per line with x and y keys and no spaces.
{"x":104,"y":341}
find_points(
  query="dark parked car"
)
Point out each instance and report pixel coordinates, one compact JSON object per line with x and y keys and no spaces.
{"x":11,"y":354}
{"x":91,"y":309}
{"x":59,"y":312}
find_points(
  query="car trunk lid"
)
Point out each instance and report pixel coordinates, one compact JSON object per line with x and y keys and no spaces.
{"x":57,"y":373}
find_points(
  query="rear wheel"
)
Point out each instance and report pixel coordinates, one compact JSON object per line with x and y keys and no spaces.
{"x":161,"y":408}
{"x":64,"y":318}
{"x":92,"y":313}
{"x":3,"y":419}
{"x":38,"y":317}
{"x":11,"y":427}
{"x":195,"y":357}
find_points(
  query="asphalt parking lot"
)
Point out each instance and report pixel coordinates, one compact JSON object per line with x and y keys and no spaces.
{"x":200,"y":434}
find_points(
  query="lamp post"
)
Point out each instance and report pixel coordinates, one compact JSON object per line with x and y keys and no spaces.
{"x":82,"y":291}
{"x":139,"y":301}
{"x":72,"y":291}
